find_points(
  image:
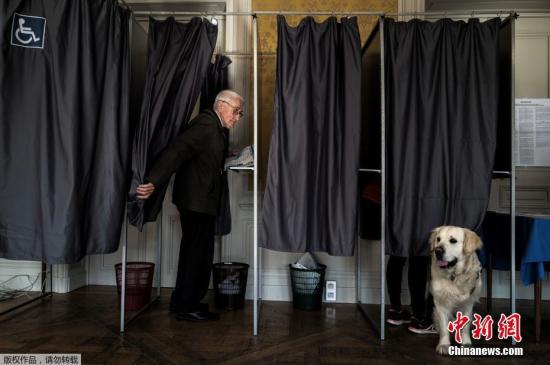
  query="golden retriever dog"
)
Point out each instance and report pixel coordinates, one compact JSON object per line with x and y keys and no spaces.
{"x":455,"y":279}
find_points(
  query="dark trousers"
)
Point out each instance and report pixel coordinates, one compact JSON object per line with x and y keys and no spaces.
{"x":417,"y":278}
{"x":195,"y":260}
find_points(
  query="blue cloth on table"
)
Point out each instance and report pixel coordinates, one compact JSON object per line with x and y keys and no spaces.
{"x":537,"y":251}
{"x":532,"y":244}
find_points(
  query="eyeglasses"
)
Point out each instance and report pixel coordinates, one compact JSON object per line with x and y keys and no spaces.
{"x":236,"y":110}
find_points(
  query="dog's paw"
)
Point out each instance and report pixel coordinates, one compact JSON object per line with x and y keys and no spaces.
{"x":442,"y":349}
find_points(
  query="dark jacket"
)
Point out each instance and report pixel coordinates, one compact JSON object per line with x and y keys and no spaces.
{"x":198,"y":155}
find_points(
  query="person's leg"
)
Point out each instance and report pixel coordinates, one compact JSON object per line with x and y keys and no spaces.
{"x":204,"y":256}
{"x":195,"y":264}
{"x":187,"y":226}
{"x":418,"y":278}
{"x":430,"y":307}
{"x":396,"y":315}
{"x":394,"y":274}
{"x":422,"y":308}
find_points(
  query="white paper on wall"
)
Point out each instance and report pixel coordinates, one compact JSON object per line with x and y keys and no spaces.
{"x":532,"y":142}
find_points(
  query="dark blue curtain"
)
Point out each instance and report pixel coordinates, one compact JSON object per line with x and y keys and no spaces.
{"x":310,"y":202}
{"x":64,"y":129}
{"x":177,"y":61}
{"x":442,"y":95}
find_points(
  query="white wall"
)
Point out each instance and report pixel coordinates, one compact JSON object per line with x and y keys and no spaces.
{"x":20,"y":274}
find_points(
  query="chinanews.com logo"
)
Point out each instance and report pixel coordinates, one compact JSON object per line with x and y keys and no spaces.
{"x":508,"y":327}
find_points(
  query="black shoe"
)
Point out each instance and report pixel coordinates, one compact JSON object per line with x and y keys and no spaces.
{"x":202,"y":307}
{"x":198,"y":316}
{"x":422,"y":327}
{"x":397,"y":318}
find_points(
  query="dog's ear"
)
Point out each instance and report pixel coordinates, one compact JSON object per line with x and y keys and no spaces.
{"x":472,"y":242}
{"x":433,"y":238}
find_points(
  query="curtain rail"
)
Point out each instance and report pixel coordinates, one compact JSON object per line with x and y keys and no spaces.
{"x":493,"y":12}
{"x":244,"y":54}
{"x":256,"y":13}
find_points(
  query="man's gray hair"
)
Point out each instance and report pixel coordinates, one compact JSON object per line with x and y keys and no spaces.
{"x":228,"y":96}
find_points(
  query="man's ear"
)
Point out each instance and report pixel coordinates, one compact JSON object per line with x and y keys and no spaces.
{"x":433,"y":238}
{"x":472,"y":242}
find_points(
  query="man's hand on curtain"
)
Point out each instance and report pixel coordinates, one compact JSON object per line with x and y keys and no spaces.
{"x":144,"y":191}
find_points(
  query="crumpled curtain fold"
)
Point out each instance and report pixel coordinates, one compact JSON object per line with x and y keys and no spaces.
{"x":441,"y":119}
{"x":216,"y":81}
{"x":310,"y":202}
{"x":64,"y":131}
{"x":177,"y":61}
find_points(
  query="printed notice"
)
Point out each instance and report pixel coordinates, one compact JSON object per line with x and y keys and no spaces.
{"x":532,"y":132}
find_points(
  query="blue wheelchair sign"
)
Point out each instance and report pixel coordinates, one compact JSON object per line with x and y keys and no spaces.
{"x":28,"y":31}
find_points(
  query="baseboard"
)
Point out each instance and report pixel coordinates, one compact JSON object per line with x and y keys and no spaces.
{"x":276,"y":286}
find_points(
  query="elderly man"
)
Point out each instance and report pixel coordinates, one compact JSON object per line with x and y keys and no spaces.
{"x":198,"y":156}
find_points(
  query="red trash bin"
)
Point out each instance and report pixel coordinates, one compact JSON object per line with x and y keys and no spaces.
{"x":139,"y":283}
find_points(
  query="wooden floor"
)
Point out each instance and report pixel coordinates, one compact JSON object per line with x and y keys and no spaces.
{"x":86,"y":321}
